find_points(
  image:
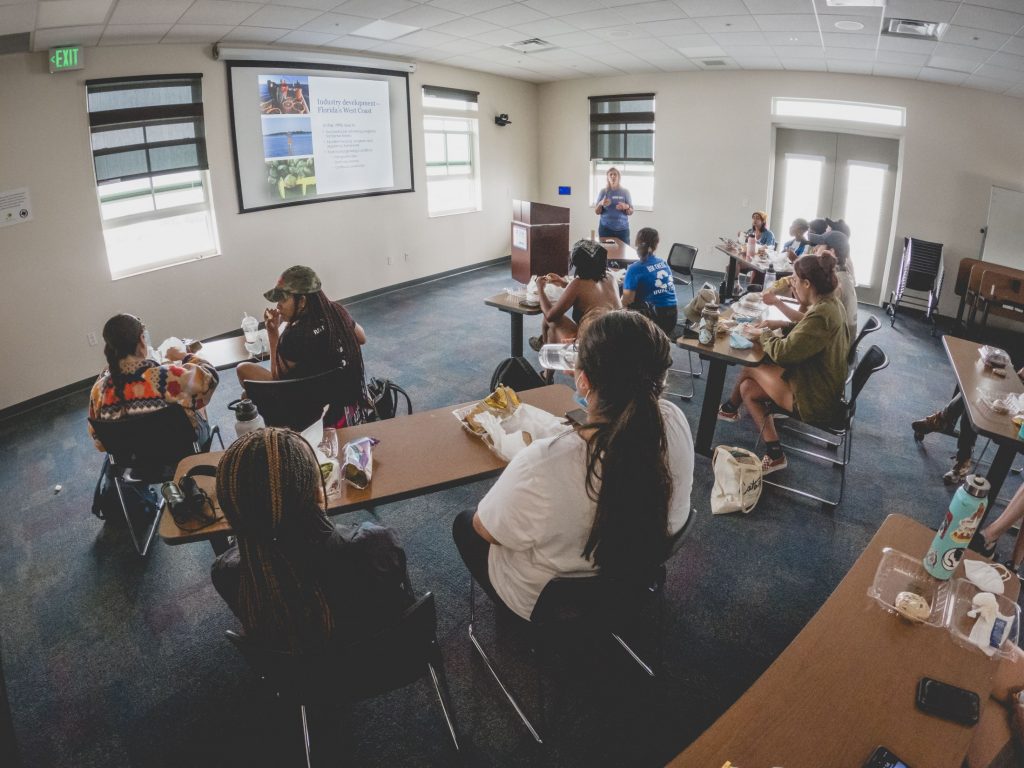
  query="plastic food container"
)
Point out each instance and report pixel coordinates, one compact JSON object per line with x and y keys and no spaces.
{"x":950,"y":601}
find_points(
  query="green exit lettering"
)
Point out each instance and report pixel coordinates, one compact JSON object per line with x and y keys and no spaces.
{"x":65,"y":58}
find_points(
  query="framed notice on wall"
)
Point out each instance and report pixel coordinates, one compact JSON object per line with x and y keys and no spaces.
{"x":519,"y":237}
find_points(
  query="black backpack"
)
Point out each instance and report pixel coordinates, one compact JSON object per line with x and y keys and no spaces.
{"x":516,"y":373}
{"x":383,"y":396}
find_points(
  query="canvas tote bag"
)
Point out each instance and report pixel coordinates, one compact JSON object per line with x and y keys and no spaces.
{"x":737,"y":480}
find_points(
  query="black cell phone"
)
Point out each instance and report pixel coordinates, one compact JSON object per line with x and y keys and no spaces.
{"x":948,"y":701}
{"x":577,"y":416}
{"x":883,"y":758}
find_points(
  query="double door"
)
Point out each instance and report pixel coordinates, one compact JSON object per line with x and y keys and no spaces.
{"x":840,"y":176}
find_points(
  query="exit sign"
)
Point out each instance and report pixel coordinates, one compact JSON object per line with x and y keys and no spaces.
{"x":66,"y":57}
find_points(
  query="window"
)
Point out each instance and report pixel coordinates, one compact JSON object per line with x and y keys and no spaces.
{"x":452,"y":150}
{"x":149,"y":155}
{"x":846,"y":111}
{"x":622,"y":135}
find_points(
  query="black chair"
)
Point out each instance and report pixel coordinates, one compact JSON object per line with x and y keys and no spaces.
{"x":874,"y":360}
{"x":390,"y":659}
{"x":297,"y":403}
{"x":580,"y":607}
{"x":921,"y":271}
{"x":681,"y":259}
{"x":144,"y":451}
{"x":871,"y":325}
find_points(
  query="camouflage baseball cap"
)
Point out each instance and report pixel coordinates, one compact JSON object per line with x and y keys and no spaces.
{"x":295,"y":279}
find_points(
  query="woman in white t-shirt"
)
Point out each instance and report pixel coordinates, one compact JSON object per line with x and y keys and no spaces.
{"x":607,"y":497}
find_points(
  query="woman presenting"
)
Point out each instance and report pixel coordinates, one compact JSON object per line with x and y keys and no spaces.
{"x":614,"y":206}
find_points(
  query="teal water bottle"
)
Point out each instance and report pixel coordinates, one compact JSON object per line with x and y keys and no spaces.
{"x":961,"y":521}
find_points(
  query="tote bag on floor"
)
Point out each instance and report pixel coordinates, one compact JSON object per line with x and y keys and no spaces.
{"x":737,"y":480}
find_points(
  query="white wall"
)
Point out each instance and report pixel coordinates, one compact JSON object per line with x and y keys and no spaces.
{"x":714,"y":144}
{"x":58,"y":285}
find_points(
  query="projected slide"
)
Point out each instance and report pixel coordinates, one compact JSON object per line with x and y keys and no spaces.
{"x":306,"y":135}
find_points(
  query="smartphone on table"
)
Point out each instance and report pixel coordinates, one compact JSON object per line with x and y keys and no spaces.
{"x":948,"y":701}
{"x":883,"y":758}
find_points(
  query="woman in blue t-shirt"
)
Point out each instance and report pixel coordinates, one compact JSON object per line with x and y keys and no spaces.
{"x":648,"y":286}
{"x":759,"y":229}
{"x":614,"y":206}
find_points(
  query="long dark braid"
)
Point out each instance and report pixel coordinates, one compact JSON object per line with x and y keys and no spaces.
{"x":625,"y":357}
{"x":120,"y":339}
{"x":267,"y":485}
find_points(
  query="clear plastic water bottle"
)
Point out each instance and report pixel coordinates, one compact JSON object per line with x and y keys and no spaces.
{"x":247,"y":418}
{"x":250,"y":327}
{"x":751,"y":247}
{"x":958,"y":526}
{"x":769,"y":278}
{"x":558,"y":357}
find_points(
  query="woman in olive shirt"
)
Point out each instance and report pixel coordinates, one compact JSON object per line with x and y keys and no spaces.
{"x":809,"y":369}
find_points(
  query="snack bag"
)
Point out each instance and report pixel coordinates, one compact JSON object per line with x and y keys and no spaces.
{"x":357,"y":461}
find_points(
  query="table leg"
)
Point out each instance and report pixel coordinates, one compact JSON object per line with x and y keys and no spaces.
{"x":709,"y":410}
{"x":997,"y":474}
{"x":517,"y":334}
{"x":960,"y":310}
{"x":220,"y":544}
{"x":730,"y":277}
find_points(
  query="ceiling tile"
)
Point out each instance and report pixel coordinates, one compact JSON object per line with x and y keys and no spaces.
{"x":850,"y":54}
{"x":659,"y":11}
{"x":942,"y":76}
{"x":594,"y":20}
{"x":374,"y":9}
{"x":805,"y":65}
{"x":468,"y":6}
{"x":965,"y":52}
{"x":896,"y":70}
{"x":394,"y":48}
{"x":574,"y":39}
{"x":759,"y":64}
{"x":838,"y":40}
{"x":923,"y":10}
{"x":679,"y":64}
{"x":278,"y":17}
{"x":733,"y":39}
{"x":72,"y":13}
{"x":713,"y":24}
{"x":544,"y":28}
{"x":672,"y":27}
{"x":903,"y":59}
{"x":790,"y":39}
{"x":726,"y":63}
{"x":318,"y":5}
{"x":905,"y":45}
{"x":134,"y":34}
{"x":465,"y":27}
{"x":862,"y":12}
{"x":779,"y":6}
{"x":688,"y":41}
{"x":785,"y":22}
{"x":301,"y":37}
{"x":987,"y":84}
{"x":849,"y":67}
{"x":426,"y":54}
{"x":498,"y":36}
{"x":426,"y":38}
{"x":562,"y":7}
{"x":156,"y":12}
{"x":252,"y":34}
{"x":508,"y":16}
{"x":1005,"y":5}
{"x":702,"y":8}
{"x":979,"y":38}
{"x":423,"y":16}
{"x":622,"y":36}
{"x":1014,"y":45}
{"x":800,"y":52}
{"x":1007,"y":61}
{"x":871,"y":27}
{"x":999,"y":73}
{"x":49,"y":38}
{"x":461,"y":45}
{"x":196,"y":33}
{"x":15,"y":19}
{"x":218,"y":12}
{"x":702,"y":52}
{"x":336,"y":24}
{"x":749,"y":51}
{"x":958,"y":65}
{"x":988,"y":18}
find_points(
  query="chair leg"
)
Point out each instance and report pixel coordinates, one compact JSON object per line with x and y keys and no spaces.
{"x":632,"y":654}
{"x":492,"y":670}
{"x":141,"y":546}
{"x":441,"y":689}
{"x":305,"y":736}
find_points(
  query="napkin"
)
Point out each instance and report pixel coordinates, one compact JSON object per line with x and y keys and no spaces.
{"x":506,"y":435}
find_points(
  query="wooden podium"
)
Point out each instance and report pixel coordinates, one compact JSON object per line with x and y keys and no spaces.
{"x":540,"y":239}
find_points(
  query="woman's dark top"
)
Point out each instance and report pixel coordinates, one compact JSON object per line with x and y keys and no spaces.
{"x":307,"y":349}
{"x":362,"y":569}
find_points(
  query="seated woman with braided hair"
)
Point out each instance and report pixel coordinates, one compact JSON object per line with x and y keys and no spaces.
{"x":295,"y":580}
{"x":607,"y":497}
{"x":809,"y":369}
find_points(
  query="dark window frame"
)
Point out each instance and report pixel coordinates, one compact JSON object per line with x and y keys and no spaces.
{"x":601,"y":125}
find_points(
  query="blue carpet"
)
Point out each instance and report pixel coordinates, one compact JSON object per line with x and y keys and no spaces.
{"x":113,"y":660}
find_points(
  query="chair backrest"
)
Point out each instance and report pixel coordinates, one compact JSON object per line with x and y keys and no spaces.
{"x":874,"y":360}
{"x":681,"y":258}
{"x":870,"y":326}
{"x":923,"y":259}
{"x":297,"y":403}
{"x":963,"y":276}
{"x":389,"y":659}
{"x":159,"y":438}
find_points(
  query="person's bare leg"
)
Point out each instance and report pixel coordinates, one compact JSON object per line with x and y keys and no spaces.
{"x":252,"y":372}
{"x":562,"y":331}
{"x":1012,"y":514}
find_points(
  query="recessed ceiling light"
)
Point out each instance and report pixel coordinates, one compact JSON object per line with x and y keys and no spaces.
{"x":383,"y":30}
{"x":849,"y":26}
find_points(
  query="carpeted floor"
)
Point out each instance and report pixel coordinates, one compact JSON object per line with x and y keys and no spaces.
{"x":113,"y":660}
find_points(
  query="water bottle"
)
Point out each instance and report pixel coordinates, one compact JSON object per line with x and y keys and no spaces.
{"x":958,"y":527}
{"x":558,"y":357}
{"x":250,"y":327}
{"x":247,"y":418}
{"x":751,"y":247}
{"x":769,"y":278}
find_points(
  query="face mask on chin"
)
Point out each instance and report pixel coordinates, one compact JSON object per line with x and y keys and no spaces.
{"x":581,"y":401}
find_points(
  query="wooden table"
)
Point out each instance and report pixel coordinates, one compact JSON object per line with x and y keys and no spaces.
{"x":973,"y":379}
{"x":227,"y":353}
{"x":619,"y":252}
{"x":422,"y":453}
{"x":848,"y":683}
{"x":738,"y":258}
{"x":969,"y":276}
{"x":516,"y":311}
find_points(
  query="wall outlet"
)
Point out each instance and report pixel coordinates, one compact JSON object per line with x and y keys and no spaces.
{"x":91,"y":338}
{"x":390,"y":260}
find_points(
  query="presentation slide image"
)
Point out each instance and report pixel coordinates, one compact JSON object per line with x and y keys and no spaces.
{"x":284,"y":94}
{"x":292,"y":178}
{"x":286,"y":136}
{"x":351,"y":134}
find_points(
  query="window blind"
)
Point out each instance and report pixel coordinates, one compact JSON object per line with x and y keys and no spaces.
{"x":451,"y":94}
{"x":622,"y":127}
{"x":146,"y":126}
